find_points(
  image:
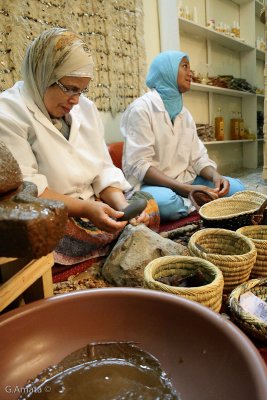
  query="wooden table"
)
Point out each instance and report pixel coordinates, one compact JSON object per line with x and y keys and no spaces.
{"x":21,"y":274}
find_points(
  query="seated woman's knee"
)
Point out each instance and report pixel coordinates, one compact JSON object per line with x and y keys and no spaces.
{"x":171,"y":205}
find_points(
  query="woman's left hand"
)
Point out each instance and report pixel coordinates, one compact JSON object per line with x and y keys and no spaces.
{"x":143,"y":218}
{"x":222,"y":185}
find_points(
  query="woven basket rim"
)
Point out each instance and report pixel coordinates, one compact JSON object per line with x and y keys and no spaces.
{"x":217,"y":203}
{"x":244,"y":193}
{"x":218,"y":278}
{"x":235,"y":306}
{"x":245,"y":229}
{"x":225,"y":232}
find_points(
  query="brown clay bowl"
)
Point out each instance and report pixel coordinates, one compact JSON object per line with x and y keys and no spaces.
{"x":205,"y":356}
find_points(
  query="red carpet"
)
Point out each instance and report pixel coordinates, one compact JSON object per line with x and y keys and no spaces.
{"x":63,"y":272}
{"x":170,"y":225}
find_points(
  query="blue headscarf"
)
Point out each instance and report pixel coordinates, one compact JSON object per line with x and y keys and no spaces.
{"x":162,"y":76}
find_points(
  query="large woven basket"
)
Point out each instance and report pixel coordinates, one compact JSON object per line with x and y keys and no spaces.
{"x":258,"y":234}
{"x":252,"y":325}
{"x":209,"y":295}
{"x":230,"y":251}
{"x":242,"y":209}
{"x":250,"y":195}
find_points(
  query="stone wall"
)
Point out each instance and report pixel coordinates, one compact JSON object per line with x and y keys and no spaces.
{"x":112,"y":29}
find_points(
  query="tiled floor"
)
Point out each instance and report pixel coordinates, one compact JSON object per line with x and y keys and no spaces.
{"x":252,"y":179}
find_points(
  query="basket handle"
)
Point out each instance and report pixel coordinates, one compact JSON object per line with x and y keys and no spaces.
{"x":200,"y":197}
{"x":257,"y":218}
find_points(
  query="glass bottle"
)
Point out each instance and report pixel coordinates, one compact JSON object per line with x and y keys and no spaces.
{"x":237,"y":30}
{"x":195,"y":15}
{"x":187,"y":13}
{"x":234,"y":127}
{"x":233,"y":30}
{"x":219,"y":125}
{"x":241,"y":127}
{"x":181,"y":10}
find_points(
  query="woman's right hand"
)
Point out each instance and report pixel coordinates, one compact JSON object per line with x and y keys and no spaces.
{"x":183,"y":189}
{"x":103,"y":216}
{"x":212,"y":191}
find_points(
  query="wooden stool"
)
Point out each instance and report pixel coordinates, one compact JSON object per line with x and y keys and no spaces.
{"x":23,"y":278}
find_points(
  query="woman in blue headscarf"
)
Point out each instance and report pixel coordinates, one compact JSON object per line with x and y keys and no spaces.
{"x":163,"y":153}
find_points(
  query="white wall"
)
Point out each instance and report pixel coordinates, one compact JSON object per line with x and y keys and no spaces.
{"x":168,"y":22}
{"x":152,"y":46}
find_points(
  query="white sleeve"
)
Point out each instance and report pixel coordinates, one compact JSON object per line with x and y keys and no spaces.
{"x":139,"y":142}
{"x":14,"y":136}
{"x":110,"y":176}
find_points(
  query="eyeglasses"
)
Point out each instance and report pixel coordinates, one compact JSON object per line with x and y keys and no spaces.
{"x":69,"y":91}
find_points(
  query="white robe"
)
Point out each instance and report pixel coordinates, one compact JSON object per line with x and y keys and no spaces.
{"x":79,"y":167}
{"x":152,"y":140}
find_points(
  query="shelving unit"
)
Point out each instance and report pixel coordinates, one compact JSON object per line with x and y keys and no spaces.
{"x":187,"y":26}
{"x":215,"y":53}
{"x":227,"y":92}
{"x":231,"y":141}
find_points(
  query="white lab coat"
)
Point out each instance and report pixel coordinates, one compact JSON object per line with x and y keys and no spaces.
{"x":79,"y":167}
{"x":152,"y":140}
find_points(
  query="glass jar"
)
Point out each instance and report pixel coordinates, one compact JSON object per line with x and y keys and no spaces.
{"x":234,"y":127}
{"x":241,"y":127}
{"x":219,"y":126}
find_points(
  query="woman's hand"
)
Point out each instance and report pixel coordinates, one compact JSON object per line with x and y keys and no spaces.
{"x":222,"y":185}
{"x":212,"y":191}
{"x":103,"y":216}
{"x":143,"y":218}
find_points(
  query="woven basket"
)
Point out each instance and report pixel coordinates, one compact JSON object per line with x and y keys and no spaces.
{"x":258,"y":234}
{"x":209,"y":295}
{"x":250,"y":195}
{"x":242,"y":209}
{"x":252,"y":325}
{"x":232,"y":252}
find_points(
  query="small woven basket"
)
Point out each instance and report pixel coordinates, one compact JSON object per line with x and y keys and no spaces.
{"x":242,"y":209}
{"x":209,"y":295}
{"x":258,"y":234}
{"x":230,"y":251}
{"x":249,"y":323}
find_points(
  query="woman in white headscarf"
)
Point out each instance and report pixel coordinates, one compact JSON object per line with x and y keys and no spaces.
{"x":56,"y":135}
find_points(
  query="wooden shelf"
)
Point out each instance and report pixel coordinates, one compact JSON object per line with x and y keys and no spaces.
{"x":214,"y":89}
{"x":241,"y":2}
{"x":230,"y":141}
{"x":198,"y":31}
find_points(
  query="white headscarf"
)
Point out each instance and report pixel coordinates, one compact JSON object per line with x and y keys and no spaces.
{"x":53,"y":54}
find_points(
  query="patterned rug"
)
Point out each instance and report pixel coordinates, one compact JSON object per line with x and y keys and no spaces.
{"x":88,"y":275}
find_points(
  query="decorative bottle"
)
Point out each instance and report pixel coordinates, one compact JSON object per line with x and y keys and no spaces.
{"x":181,"y":10}
{"x":219,"y":125}
{"x":234,"y":127}
{"x":241,"y":127}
